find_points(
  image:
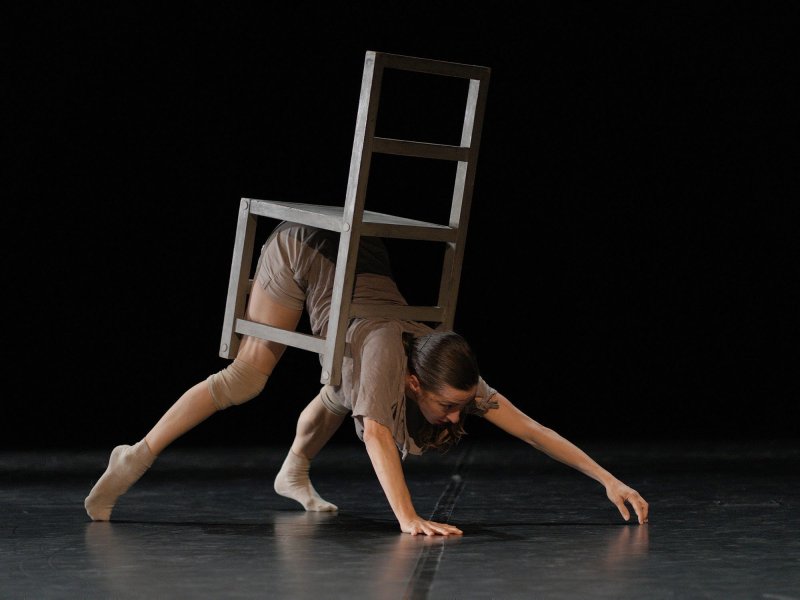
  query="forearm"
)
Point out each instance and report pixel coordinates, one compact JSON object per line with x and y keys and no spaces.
{"x":514,"y":421}
{"x":559,"y":448}
{"x":552,"y":444}
{"x":386,"y":461}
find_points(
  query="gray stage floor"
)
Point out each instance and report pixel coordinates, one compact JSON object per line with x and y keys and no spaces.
{"x":725,"y":523}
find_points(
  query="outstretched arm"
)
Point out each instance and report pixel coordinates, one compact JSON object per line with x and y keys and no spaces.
{"x":386,"y":462}
{"x":512,"y":420}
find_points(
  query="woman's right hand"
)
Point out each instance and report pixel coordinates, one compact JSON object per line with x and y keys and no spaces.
{"x":418,"y":525}
{"x":386,"y":462}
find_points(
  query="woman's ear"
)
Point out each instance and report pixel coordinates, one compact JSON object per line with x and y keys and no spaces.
{"x":413,"y":383}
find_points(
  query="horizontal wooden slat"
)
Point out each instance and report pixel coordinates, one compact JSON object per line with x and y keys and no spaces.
{"x":419,"y":149}
{"x":282,"y":336}
{"x":409,"y":313}
{"x":434,"y":67}
{"x":407,"y":232}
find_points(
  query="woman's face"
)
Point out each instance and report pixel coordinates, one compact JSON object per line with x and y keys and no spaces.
{"x":442,"y":406}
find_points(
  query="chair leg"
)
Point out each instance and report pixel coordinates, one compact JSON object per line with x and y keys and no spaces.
{"x":239,"y":283}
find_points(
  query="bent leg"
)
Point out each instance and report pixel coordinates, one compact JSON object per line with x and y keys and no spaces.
{"x":315,"y":427}
{"x":197,"y":403}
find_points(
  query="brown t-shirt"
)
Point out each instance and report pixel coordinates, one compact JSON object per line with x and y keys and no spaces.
{"x":373,"y":380}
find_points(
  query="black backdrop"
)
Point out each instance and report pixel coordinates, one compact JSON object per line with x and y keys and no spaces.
{"x":632,"y":262}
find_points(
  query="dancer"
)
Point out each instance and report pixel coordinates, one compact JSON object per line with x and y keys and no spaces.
{"x":407,"y":387}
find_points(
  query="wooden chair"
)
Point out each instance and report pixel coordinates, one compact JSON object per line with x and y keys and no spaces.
{"x":352,"y":221}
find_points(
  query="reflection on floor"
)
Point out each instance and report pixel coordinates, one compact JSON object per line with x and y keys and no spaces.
{"x":206,"y":524}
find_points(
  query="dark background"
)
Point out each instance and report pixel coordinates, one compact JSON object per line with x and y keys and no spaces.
{"x":631,"y":269}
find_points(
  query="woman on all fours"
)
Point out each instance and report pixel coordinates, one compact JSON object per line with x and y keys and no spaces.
{"x":407,"y":387}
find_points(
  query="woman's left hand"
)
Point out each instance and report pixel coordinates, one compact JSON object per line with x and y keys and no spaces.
{"x":620,"y":494}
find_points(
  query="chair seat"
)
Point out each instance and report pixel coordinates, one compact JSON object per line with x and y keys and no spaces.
{"x":373,"y":223}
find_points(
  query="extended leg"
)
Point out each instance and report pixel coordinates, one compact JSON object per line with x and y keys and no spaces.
{"x":239,"y":382}
{"x":315,"y":427}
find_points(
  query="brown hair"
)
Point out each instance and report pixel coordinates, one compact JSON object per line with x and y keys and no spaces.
{"x":438,"y":360}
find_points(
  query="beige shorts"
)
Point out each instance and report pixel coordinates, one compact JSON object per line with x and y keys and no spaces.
{"x":281,"y":267}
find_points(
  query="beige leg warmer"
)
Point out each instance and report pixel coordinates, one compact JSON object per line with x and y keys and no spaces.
{"x":126,"y":465}
{"x":236,"y":384}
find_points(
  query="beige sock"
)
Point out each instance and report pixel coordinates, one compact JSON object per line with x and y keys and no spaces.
{"x":126,"y":465}
{"x":293,"y":482}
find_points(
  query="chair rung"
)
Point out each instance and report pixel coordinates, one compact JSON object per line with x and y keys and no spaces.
{"x":282,"y":336}
{"x":433,"y":314}
{"x":420,"y":149}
